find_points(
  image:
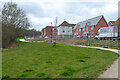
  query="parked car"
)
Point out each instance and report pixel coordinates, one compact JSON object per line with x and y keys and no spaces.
{"x":45,"y":37}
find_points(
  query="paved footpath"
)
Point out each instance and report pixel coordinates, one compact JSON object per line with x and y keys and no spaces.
{"x":29,"y":41}
{"x":111,"y":72}
{"x":23,"y":40}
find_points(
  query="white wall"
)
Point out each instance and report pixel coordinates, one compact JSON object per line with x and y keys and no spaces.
{"x":67,"y":30}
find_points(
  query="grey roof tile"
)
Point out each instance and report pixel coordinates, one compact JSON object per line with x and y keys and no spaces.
{"x":92,"y":21}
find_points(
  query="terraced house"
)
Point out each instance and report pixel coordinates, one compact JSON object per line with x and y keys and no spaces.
{"x":89,"y":28}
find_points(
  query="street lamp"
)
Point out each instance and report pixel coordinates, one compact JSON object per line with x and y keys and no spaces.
{"x":33,"y":33}
{"x":51,"y":32}
{"x":106,"y":42}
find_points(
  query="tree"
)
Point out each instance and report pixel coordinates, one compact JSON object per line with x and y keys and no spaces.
{"x":14,"y":22}
{"x":12,"y":15}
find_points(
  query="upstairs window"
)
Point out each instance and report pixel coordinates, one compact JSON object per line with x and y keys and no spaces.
{"x":87,"y":28}
{"x":83,"y":29}
{"x":89,"y":23}
{"x":79,"y":30}
{"x":92,"y":27}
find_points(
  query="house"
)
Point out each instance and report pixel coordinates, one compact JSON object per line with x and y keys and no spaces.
{"x":117,"y":22}
{"x":89,"y":28}
{"x":49,"y":31}
{"x":65,"y":30}
{"x":111,"y":23}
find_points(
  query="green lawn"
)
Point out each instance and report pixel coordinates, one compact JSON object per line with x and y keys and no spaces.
{"x":41,"y":60}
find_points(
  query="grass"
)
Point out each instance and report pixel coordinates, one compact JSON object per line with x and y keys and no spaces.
{"x":41,"y":60}
{"x":101,"y":43}
{"x":90,"y":42}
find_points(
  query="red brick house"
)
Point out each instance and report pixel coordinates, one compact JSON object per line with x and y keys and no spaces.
{"x":49,"y":31}
{"x":115,"y":23}
{"x":111,"y":23}
{"x":89,"y":28}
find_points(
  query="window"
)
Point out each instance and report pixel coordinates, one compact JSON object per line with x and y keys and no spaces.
{"x":89,"y":23}
{"x":83,"y":29}
{"x":92,"y":34}
{"x":53,"y":29}
{"x":63,"y":31}
{"x":87,"y":28}
{"x":79,"y":29}
{"x":92,"y":27}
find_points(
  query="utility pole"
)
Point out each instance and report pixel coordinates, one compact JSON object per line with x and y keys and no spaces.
{"x":51,"y":32}
{"x":33,"y":33}
{"x":51,"y":24}
{"x":55,"y":28}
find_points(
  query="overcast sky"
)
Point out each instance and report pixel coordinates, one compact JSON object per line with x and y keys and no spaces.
{"x":42,"y":12}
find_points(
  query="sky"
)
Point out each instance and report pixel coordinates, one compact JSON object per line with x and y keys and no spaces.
{"x":42,"y":12}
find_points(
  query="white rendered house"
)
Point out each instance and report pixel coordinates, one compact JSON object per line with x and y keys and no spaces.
{"x":65,"y":30}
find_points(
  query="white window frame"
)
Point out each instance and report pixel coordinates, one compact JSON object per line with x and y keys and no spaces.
{"x":80,"y":30}
{"x":92,"y":34}
{"x":83,"y":29}
{"x":89,"y":23}
{"x":86,"y":28}
{"x":92,"y":27}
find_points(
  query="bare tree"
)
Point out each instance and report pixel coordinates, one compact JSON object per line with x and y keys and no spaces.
{"x":14,"y":22}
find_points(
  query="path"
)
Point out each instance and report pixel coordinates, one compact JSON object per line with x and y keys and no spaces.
{"x":29,"y":41}
{"x":23,"y":40}
{"x":111,"y":72}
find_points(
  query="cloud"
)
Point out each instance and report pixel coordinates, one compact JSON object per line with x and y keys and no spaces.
{"x":42,"y":12}
{"x":39,"y":23}
{"x":111,"y":8}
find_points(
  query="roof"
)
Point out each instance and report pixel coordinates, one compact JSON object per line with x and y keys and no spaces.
{"x":112,"y":22}
{"x":91,"y":21}
{"x":116,"y":22}
{"x":65,"y":23}
{"x":50,"y":27}
{"x":72,"y":24}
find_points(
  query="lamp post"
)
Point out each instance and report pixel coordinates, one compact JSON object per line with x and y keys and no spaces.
{"x":33,"y":34}
{"x":105,"y":42}
{"x":51,"y":33}
{"x":74,"y":35}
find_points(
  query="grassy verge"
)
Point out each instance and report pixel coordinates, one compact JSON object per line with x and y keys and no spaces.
{"x":100,"y":43}
{"x":42,"y":60}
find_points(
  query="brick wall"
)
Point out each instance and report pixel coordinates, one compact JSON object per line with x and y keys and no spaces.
{"x":102,"y":23}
